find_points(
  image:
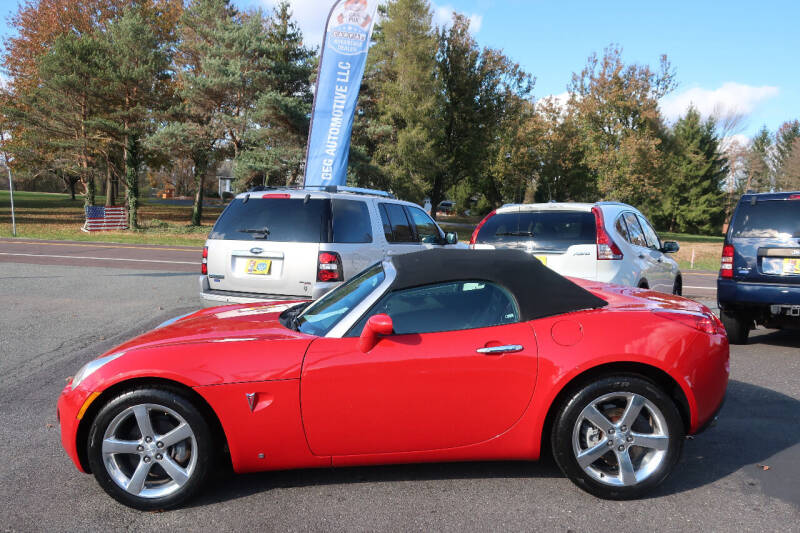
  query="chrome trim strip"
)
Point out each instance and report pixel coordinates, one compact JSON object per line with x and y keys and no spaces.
{"x":497,"y":350}
{"x":349,"y":320}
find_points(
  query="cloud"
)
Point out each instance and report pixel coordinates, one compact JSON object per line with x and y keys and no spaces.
{"x":559,"y":99}
{"x":730,"y":99}
{"x":443,"y":15}
{"x":310,"y":15}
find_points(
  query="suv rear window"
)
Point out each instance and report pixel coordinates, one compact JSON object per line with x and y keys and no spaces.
{"x":547,"y":230}
{"x":774,"y":219}
{"x":274,"y":219}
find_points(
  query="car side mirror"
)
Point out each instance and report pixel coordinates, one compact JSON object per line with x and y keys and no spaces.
{"x":670,"y":247}
{"x":451,"y":238}
{"x":376,"y":326}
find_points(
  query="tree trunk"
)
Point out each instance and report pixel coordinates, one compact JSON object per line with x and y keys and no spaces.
{"x":131,"y":155}
{"x":200,"y":167}
{"x":437,"y":195}
{"x":110,"y":196}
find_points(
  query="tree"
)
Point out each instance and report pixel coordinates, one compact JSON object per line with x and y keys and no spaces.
{"x":760,"y":176}
{"x":693,"y":201}
{"x":63,"y":117}
{"x":273,"y":139}
{"x":401,"y":66}
{"x":785,"y":154}
{"x":140,"y":80}
{"x":621,"y":127}
{"x":196,"y":128}
{"x":484,"y":97}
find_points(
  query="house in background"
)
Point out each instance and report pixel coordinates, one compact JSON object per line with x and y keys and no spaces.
{"x":225,"y":178}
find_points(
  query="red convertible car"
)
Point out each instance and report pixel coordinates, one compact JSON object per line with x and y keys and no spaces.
{"x":449,"y":355}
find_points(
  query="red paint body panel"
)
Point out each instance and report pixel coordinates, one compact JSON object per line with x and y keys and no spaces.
{"x":415,"y":392}
{"x":274,"y":428}
{"x":411,"y":398}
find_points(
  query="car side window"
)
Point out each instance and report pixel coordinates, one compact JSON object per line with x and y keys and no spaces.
{"x":427,"y":230}
{"x":635,"y":230}
{"x":351,"y":222}
{"x":451,"y":306}
{"x":387,"y":226}
{"x":401,"y":228}
{"x":650,"y":234}
{"x":622,"y":228}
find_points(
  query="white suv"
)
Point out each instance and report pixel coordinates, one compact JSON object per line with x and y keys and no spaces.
{"x":606,"y":241}
{"x":290,"y":244}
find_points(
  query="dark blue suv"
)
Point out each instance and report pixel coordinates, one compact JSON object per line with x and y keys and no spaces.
{"x":759,"y":280}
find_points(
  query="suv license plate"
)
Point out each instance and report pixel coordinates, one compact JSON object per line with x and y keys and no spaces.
{"x":258,"y":267}
{"x":791,"y":266}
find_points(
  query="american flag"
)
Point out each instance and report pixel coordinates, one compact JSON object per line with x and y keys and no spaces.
{"x":99,"y":218}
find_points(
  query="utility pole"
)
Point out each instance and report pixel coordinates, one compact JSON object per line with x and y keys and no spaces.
{"x":11,"y":192}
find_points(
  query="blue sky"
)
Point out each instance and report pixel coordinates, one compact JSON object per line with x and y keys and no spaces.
{"x":736,"y":56}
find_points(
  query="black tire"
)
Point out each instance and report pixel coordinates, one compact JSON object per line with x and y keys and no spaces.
{"x":188,"y":458}
{"x":677,"y":287}
{"x":603,"y":475}
{"x":737,"y":327}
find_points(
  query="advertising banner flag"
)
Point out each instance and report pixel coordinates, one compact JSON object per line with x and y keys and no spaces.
{"x":342,"y":62}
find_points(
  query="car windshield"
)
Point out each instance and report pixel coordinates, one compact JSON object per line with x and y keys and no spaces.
{"x":774,"y":219}
{"x":323,"y":315}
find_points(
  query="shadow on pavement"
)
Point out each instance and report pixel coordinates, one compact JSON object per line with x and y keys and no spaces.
{"x":754,"y":425}
{"x":785,"y":338}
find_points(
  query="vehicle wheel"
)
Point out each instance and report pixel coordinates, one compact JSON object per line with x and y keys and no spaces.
{"x":150,"y":448}
{"x":618,"y":437}
{"x":677,"y":287}
{"x":737,"y":327}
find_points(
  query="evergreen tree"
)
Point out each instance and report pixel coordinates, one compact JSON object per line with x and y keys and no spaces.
{"x":760,"y":176}
{"x":401,"y":70}
{"x":140,"y":80}
{"x":273,"y":143}
{"x":693,"y":200}
{"x":786,"y":144}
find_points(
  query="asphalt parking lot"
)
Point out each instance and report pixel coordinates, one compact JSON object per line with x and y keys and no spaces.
{"x":743,"y":474}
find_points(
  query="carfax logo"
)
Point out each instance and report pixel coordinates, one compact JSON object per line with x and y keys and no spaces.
{"x":349,"y":29}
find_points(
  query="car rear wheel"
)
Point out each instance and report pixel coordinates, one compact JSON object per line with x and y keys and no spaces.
{"x":618,"y":437}
{"x":150,"y":448}
{"x":737,"y":327}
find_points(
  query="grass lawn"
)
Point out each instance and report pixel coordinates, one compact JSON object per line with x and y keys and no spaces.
{"x":56,"y":217}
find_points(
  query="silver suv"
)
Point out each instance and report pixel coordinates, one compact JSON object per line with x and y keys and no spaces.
{"x":290,"y":244}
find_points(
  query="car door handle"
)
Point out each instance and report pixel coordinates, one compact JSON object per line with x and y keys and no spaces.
{"x":497,"y":350}
{"x":641,"y":256}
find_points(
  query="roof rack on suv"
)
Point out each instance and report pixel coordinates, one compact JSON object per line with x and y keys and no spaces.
{"x":327,"y":188}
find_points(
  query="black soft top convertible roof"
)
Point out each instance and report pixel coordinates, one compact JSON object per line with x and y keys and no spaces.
{"x":540,"y":292}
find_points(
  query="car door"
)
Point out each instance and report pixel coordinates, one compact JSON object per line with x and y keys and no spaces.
{"x":663,"y":276}
{"x":645,"y":262}
{"x":459,"y":370}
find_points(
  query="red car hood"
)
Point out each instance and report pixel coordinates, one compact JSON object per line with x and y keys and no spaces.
{"x":630,"y":298}
{"x":220,"y":324}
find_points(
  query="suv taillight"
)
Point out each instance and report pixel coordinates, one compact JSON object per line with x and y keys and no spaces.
{"x":330,"y":267}
{"x":607,"y":249}
{"x":726,"y":267}
{"x":204,"y":265}
{"x":474,"y":238}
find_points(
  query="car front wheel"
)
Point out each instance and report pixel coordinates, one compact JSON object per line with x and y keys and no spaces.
{"x":618,"y":437}
{"x":150,"y":448}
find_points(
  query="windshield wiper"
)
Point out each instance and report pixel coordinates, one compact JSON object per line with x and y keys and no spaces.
{"x":264,"y":232}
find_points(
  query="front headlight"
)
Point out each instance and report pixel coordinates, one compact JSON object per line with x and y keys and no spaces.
{"x":89,"y":368}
